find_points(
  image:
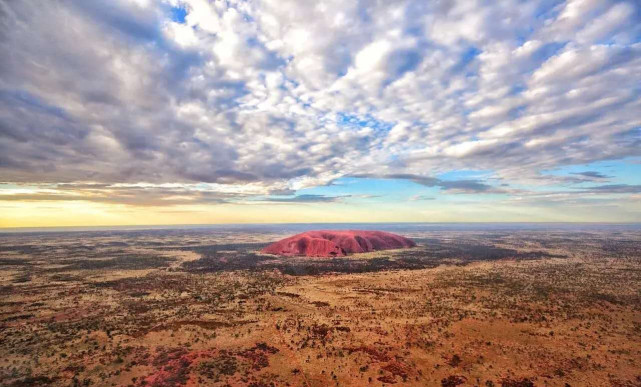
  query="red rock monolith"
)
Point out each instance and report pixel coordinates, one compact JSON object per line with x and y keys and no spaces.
{"x":337,"y":243}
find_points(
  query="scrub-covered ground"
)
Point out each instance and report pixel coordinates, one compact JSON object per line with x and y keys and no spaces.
{"x":203,"y":307}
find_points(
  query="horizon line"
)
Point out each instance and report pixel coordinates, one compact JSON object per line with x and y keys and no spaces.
{"x":204,"y":225}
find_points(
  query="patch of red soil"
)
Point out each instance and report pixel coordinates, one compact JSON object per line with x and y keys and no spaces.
{"x":173,"y":368}
{"x":331,"y":243}
{"x":373,"y":353}
{"x":397,"y":369}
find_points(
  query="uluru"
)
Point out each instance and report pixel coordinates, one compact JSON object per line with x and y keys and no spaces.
{"x":337,"y":243}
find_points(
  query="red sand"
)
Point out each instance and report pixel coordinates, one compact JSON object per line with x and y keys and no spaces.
{"x":336,"y":243}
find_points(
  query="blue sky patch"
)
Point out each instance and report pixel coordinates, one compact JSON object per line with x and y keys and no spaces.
{"x":178,"y":14}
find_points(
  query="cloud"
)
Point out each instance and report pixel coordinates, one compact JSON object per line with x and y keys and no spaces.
{"x":137,"y":194}
{"x":466,"y":186}
{"x":282,"y":96}
{"x":282,"y":191}
{"x":307,"y":198}
{"x":616,"y":189}
{"x":421,"y":197}
{"x":592,"y":175}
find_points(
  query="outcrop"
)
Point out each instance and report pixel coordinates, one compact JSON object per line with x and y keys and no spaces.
{"x":337,"y":243}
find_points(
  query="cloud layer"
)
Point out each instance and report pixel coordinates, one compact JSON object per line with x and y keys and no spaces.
{"x":281,"y":95}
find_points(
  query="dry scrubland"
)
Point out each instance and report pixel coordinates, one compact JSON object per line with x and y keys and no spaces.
{"x":173,"y":308}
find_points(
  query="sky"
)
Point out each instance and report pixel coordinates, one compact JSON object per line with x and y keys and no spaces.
{"x":126,"y":112}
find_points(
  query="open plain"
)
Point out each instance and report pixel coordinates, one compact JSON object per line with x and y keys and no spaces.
{"x":476,"y":306}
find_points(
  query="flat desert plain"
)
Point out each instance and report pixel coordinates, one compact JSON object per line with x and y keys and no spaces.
{"x":505,"y":307}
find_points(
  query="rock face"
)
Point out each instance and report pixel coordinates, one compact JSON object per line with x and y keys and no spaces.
{"x":332,"y":243}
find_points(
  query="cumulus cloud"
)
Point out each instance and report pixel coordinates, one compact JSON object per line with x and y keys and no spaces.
{"x":282,"y":95}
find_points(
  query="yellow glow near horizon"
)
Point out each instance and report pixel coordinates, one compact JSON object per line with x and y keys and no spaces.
{"x":59,"y":214}
{"x":82,"y":213}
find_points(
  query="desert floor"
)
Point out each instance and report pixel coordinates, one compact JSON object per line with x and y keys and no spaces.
{"x":174,"y":308}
